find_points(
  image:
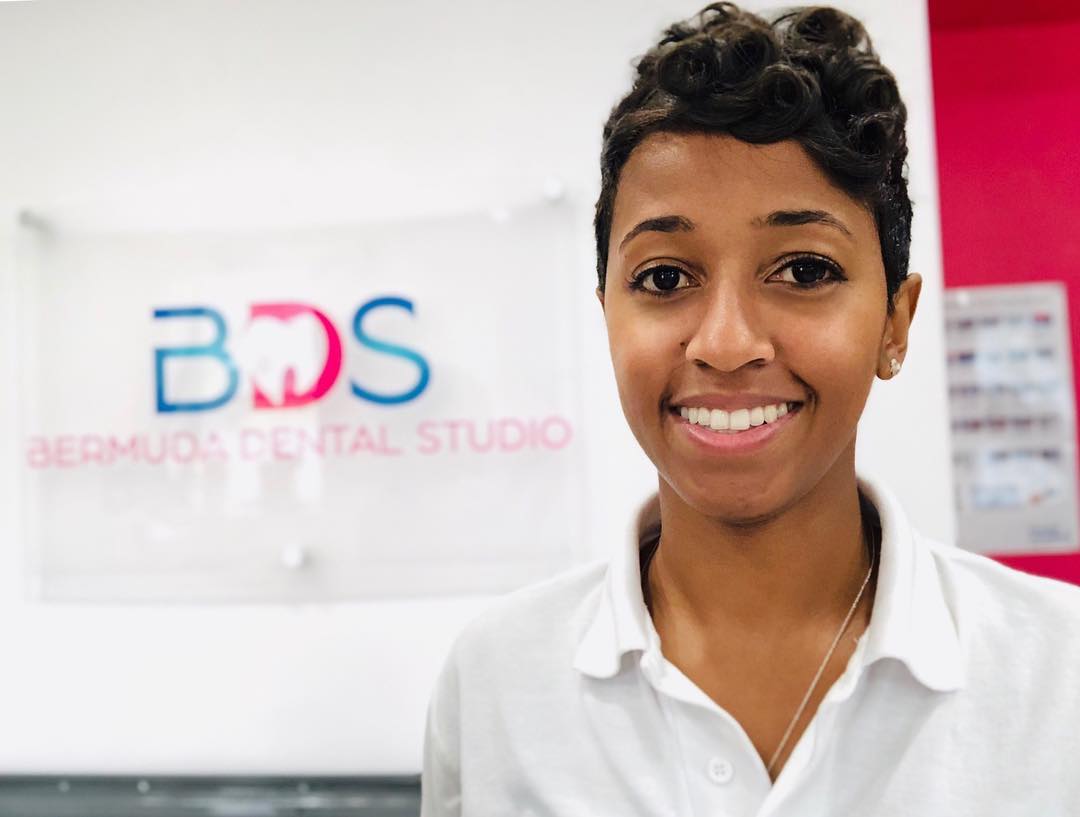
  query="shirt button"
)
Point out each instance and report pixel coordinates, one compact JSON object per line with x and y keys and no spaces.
{"x":720,"y":771}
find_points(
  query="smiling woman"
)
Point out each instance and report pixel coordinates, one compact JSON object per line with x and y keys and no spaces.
{"x":775,"y":637}
{"x":780,"y":300}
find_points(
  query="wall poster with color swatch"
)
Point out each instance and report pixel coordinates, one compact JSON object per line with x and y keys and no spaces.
{"x":1013,"y":418}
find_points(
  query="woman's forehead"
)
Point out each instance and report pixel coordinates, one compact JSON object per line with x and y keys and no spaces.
{"x":710,"y":177}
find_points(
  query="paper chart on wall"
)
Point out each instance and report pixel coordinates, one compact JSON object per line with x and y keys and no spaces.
{"x":311,"y":415}
{"x":1013,"y":417}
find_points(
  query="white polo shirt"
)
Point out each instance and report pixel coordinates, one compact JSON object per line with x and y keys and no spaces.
{"x":962,"y":698}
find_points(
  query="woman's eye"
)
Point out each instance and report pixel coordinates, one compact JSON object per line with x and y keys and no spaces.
{"x":808,"y":272}
{"x":661,"y":280}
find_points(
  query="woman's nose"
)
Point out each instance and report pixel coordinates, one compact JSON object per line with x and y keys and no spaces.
{"x":730,"y":332}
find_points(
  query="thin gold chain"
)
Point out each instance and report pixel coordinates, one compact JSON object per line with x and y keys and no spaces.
{"x":647,"y":563}
{"x":821,"y":669}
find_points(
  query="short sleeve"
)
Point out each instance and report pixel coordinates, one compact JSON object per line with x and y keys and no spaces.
{"x":440,"y":783}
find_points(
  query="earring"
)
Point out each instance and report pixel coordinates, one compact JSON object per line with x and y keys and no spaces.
{"x":894,"y":367}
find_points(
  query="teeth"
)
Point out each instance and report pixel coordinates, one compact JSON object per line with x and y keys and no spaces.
{"x":738,"y":420}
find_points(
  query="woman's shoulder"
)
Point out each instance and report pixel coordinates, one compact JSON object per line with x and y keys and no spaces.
{"x":975,"y":572}
{"x":1001,"y":605}
{"x":537,"y":622}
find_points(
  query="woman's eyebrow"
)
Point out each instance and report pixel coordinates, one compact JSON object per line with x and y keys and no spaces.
{"x":793,"y":218}
{"x":661,"y":224}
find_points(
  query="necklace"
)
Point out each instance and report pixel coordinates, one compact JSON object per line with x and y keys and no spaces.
{"x":647,"y":560}
{"x":821,"y":668}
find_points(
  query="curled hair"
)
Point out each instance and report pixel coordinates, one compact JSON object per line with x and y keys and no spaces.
{"x":810,"y":75}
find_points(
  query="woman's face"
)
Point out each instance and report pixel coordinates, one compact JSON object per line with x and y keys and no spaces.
{"x":743,"y":288}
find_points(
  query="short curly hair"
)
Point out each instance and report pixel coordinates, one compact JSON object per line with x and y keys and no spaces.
{"x":810,"y":75}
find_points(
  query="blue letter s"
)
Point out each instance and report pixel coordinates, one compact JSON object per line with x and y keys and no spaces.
{"x":389,"y":349}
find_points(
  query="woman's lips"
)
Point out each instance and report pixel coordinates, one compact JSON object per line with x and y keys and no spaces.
{"x":738,"y":440}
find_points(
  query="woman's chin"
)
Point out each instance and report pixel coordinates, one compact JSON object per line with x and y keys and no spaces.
{"x":734,"y":505}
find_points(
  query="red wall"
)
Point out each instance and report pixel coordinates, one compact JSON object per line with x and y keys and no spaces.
{"x":1007,"y":103}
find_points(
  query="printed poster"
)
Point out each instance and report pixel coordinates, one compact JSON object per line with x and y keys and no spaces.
{"x":1013,"y":416}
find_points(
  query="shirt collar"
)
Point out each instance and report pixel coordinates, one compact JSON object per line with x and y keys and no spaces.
{"x":911,"y":621}
{"x":621,"y":623}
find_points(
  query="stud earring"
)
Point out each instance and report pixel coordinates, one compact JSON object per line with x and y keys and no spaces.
{"x":894,"y":367}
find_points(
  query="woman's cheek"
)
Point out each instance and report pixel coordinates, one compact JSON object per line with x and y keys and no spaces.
{"x":846,"y":365}
{"x":629,"y":372}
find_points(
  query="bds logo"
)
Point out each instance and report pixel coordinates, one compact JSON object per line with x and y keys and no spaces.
{"x":217,"y":352}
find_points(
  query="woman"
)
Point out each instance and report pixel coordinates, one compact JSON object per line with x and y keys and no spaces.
{"x":775,"y":638}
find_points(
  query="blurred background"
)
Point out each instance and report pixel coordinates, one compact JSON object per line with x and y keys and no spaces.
{"x":304,"y":362}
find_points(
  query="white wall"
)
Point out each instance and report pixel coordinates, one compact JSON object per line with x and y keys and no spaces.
{"x":216,"y":114}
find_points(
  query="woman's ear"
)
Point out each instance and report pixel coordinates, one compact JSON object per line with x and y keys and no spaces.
{"x":600,"y":298}
{"x":894,"y":341}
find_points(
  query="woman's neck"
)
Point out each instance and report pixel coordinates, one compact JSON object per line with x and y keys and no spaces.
{"x":790,"y":571}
